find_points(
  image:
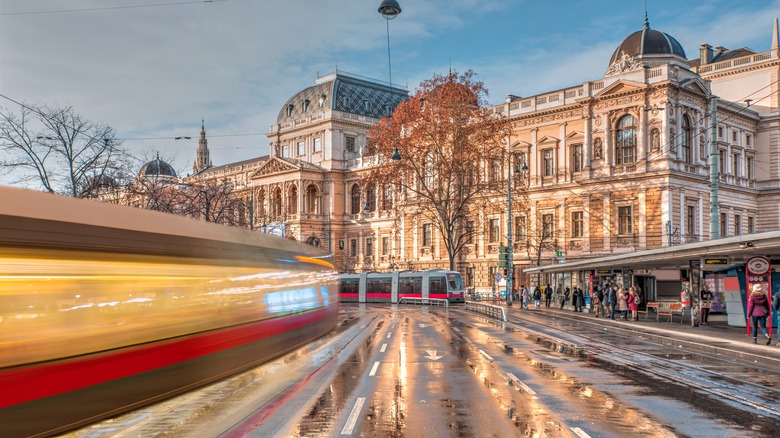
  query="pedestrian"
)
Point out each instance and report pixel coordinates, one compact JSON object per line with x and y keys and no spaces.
{"x":565,"y":296}
{"x":758,"y":310}
{"x":623,"y":303}
{"x":706,"y":302}
{"x":526,"y":298}
{"x":575,"y":299}
{"x":548,"y":293}
{"x":632,"y":303}
{"x":537,"y":298}
{"x":776,"y":306}
{"x":596,"y":298}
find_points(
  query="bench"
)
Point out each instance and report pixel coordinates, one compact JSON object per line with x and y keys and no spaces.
{"x":670,"y":310}
{"x":650,"y":305}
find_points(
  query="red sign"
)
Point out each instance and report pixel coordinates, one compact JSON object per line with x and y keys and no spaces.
{"x":759,"y":272}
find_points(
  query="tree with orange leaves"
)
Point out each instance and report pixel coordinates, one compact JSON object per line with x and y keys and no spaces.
{"x":453,"y":154}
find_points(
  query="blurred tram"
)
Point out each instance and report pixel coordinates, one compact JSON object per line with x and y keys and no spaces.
{"x":104,"y":308}
{"x":390,"y":287}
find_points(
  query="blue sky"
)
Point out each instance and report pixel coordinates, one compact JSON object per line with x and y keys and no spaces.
{"x":152,"y":72}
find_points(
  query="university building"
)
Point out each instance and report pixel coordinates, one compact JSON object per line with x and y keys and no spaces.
{"x":618,"y":164}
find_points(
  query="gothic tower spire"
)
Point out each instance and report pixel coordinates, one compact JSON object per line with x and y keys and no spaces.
{"x":202,"y":160}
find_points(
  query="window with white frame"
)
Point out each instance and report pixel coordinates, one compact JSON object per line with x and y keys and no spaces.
{"x":548,"y":162}
{"x":686,"y":140}
{"x":749,"y":168}
{"x":349,"y":143}
{"x":735,"y":165}
{"x":427,"y":234}
{"x":576,"y":158}
{"x":355,"y":198}
{"x":724,"y":225}
{"x":548,"y":227}
{"x":385,"y":245}
{"x":625,"y":220}
{"x":520,"y":228}
{"x":577,"y":224}
{"x":494,"y":231}
{"x":748,"y":140}
{"x":495,"y":170}
{"x":317,"y":145}
{"x":737,"y":225}
{"x":301,"y":149}
{"x":625,"y":144}
{"x":369,"y":246}
{"x":751,"y":224}
{"x":285,"y":150}
{"x":690,"y":219}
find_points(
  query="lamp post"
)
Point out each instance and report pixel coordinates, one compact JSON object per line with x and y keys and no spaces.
{"x":389,"y":10}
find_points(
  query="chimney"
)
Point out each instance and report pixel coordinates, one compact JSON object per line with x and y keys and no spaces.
{"x":705,"y":54}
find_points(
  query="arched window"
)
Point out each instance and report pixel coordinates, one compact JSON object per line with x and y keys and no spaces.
{"x":355,"y":196}
{"x":687,"y":139}
{"x":292,"y":200}
{"x":277,"y":203}
{"x":625,"y":140}
{"x":311,"y":199}
{"x":371,"y":197}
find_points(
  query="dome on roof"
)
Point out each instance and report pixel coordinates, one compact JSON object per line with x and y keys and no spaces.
{"x":157,"y":167}
{"x":647,"y":42}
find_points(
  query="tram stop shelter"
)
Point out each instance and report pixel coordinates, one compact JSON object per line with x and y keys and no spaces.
{"x":665,"y":274}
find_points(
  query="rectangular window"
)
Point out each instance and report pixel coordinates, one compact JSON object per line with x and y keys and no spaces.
{"x":301,"y":149}
{"x":748,"y":140}
{"x":495,"y":170}
{"x":735,"y":165}
{"x":724,"y":224}
{"x":720,"y":132}
{"x":385,"y":245}
{"x":749,"y":169}
{"x":577,"y":224}
{"x":751,"y":224}
{"x":548,"y":227}
{"x":349,"y":144}
{"x":317,"y":145}
{"x":549,"y":162}
{"x":722,"y":163}
{"x":625,"y":222}
{"x":285,"y":151}
{"x":369,"y":246}
{"x":737,"y":225}
{"x":469,"y":232}
{"x":690,"y":219}
{"x":520,"y":228}
{"x":427,"y":237}
{"x":576,"y":158}
{"x":734,"y":136}
{"x":494,"y":231}
{"x":353,"y":247}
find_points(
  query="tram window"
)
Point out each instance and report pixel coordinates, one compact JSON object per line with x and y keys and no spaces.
{"x":349,"y":286}
{"x":455,"y":281}
{"x":379,"y":285}
{"x":411,"y":285}
{"x":437,"y":286}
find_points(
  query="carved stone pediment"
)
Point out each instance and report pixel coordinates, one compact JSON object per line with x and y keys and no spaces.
{"x":274,"y":166}
{"x":620,"y":87}
{"x":696,"y":85}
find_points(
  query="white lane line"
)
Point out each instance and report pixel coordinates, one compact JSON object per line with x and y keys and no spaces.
{"x":384,"y":347}
{"x":520,"y":383}
{"x":486,"y":355}
{"x":579,"y":432}
{"x":373,"y":369}
{"x":388,"y":335}
{"x":353,"y":416}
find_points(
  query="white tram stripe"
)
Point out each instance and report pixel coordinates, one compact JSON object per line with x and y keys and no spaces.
{"x":579,"y":432}
{"x":373,"y":369}
{"x":353,"y":416}
{"x":384,"y":347}
{"x":486,"y":355}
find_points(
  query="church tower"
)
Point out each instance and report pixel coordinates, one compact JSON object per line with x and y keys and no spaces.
{"x":202,"y":161}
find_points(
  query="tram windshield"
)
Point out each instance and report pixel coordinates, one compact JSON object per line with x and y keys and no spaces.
{"x":454,"y":281}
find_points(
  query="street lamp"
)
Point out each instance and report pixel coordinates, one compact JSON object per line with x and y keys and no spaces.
{"x":509,"y":264}
{"x":389,"y":10}
{"x":396,"y":155}
{"x":392,"y":262}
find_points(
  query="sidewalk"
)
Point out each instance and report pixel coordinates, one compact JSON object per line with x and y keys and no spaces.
{"x":717,"y":337}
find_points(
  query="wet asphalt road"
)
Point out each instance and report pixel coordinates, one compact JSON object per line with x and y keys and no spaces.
{"x":418,"y":371}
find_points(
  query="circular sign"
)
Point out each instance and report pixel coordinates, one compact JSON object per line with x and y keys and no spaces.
{"x":758,"y":265}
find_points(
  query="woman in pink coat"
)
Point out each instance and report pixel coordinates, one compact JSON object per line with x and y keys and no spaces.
{"x":632,"y":305}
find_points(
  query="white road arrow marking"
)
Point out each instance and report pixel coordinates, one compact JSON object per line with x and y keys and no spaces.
{"x":432,"y":355}
{"x":422,"y":325}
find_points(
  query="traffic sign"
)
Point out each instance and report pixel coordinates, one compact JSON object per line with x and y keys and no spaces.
{"x":498,"y":276}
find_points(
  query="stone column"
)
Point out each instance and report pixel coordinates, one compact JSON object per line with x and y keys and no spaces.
{"x":587,"y":147}
{"x":642,"y":219}
{"x":641,"y":147}
{"x":608,"y":226}
{"x":586,"y":224}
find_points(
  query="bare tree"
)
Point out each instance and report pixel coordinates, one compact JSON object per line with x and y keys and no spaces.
{"x":215,"y":201}
{"x":453,"y":148}
{"x":59,"y":150}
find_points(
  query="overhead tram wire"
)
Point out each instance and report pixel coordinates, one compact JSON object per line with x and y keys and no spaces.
{"x":105,"y":8}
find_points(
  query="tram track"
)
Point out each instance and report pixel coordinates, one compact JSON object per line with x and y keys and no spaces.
{"x":581,"y":337}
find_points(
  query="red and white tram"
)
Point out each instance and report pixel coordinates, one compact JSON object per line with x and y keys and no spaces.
{"x":390,"y":287}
